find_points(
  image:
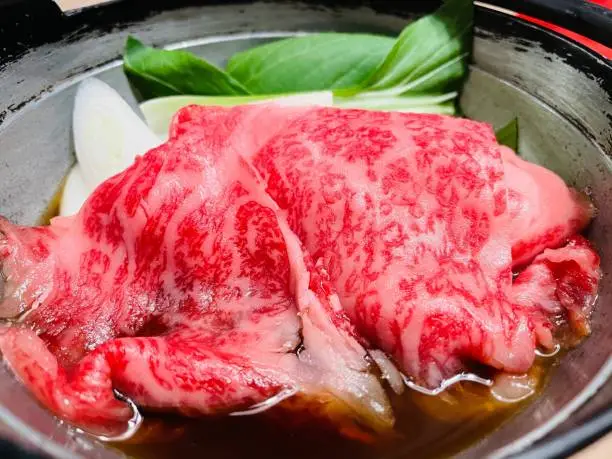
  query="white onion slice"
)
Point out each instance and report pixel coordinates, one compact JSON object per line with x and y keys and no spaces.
{"x":108,"y":135}
{"x":75,"y":192}
{"x":133,"y":423}
{"x":389,"y":371}
{"x":554,"y":351}
{"x":471,"y":377}
{"x":508,"y":388}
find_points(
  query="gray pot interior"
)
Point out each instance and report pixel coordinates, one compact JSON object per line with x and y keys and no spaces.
{"x":565,"y":118}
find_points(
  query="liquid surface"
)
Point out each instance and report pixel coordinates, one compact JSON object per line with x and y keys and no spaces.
{"x":53,"y":207}
{"x":426,"y":427}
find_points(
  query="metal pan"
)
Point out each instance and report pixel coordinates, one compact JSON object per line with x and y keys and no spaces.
{"x":561,"y":92}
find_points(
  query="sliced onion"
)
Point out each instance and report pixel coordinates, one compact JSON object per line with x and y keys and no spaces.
{"x":266,"y":404}
{"x":75,"y":192}
{"x":508,"y":388}
{"x":389,"y":371}
{"x":133,"y":423}
{"x":108,"y":134}
{"x":446,"y":383}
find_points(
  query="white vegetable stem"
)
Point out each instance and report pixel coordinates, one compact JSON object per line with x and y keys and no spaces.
{"x":75,"y":192}
{"x":108,"y":134}
{"x":107,"y":137}
{"x":159,"y":112}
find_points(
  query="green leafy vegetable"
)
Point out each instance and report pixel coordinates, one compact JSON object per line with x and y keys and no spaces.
{"x":508,"y":135}
{"x":310,"y":63}
{"x":422,"y":71}
{"x":156,"y":73}
{"x":430,"y":54}
{"x":429,"y":61}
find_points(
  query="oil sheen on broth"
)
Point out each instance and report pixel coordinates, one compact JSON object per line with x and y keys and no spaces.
{"x":426,"y":426}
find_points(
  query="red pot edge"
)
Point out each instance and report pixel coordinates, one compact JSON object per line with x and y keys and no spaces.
{"x":595,"y":46}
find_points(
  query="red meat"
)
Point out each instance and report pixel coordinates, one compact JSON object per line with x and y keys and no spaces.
{"x":182,"y":282}
{"x":544,"y":212}
{"x":419,"y":220}
{"x":560,"y":285}
{"x":178,"y":286}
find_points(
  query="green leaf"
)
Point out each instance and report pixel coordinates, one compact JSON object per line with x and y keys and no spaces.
{"x":156,"y":73}
{"x":310,"y":63}
{"x":430,"y":55}
{"x":426,"y":68}
{"x":423,"y":70}
{"x":509,"y":134}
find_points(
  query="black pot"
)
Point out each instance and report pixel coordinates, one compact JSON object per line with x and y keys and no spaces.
{"x":561,"y":92}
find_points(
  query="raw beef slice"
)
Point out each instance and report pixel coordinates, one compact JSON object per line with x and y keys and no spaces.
{"x":419,"y":220}
{"x":543,"y":211}
{"x":178,"y":286}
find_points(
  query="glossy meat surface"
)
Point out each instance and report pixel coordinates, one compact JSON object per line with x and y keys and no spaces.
{"x":560,"y":286}
{"x":178,"y":286}
{"x":419,"y":220}
{"x":262,"y":249}
{"x":543,"y":211}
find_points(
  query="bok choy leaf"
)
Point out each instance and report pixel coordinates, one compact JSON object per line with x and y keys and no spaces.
{"x":420,"y":71}
{"x":508,"y":135}
{"x":310,"y":63}
{"x":158,"y":72}
{"x":430,"y":55}
{"x":429,"y":62}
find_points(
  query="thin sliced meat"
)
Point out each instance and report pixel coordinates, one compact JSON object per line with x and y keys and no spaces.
{"x":178,"y":286}
{"x":560,"y":285}
{"x":544,"y":212}
{"x":416,"y":218}
{"x":408,"y":213}
{"x":182,"y":282}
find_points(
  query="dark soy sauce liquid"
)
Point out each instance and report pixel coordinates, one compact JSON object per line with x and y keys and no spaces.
{"x":426,"y":427}
{"x":53,"y":207}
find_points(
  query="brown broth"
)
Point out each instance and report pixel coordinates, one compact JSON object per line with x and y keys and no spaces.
{"x":426,"y":427}
{"x":53,"y":207}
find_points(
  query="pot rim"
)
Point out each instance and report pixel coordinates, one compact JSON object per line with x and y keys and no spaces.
{"x":583,"y":17}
